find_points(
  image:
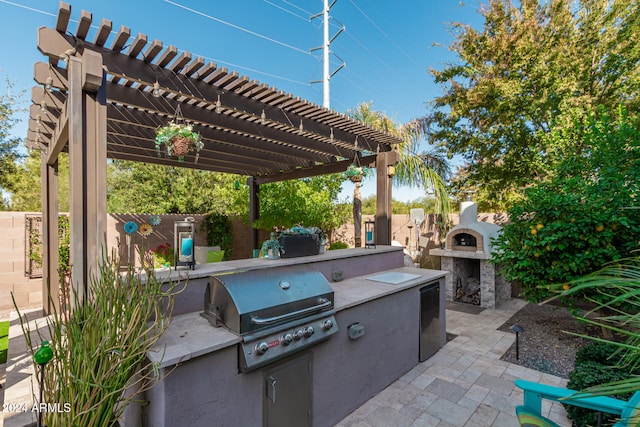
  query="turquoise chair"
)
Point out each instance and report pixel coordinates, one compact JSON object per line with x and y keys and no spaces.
{"x":531,"y":410}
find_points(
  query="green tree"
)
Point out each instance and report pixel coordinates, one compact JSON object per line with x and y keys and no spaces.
{"x":418,"y":167}
{"x":26,"y":183}
{"x":534,"y":66}
{"x":586,"y":215}
{"x":141,"y":187}
{"x":307,"y":201}
{"x":9,"y":154}
{"x":399,"y":207}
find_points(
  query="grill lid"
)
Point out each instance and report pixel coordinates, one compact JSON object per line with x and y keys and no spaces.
{"x":259,"y":299}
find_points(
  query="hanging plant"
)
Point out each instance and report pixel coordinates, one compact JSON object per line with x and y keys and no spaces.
{"x":355,"y":173}
{"x":177,"y":139}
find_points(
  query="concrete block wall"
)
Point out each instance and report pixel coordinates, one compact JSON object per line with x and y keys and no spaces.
{"x":27,"y":292}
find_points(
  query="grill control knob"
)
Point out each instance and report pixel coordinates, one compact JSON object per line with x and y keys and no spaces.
{"x":308,"y":331}
{"x":287,"y":339}
{"x":297,"y":335}
{"x":262,"y":347}
{"x":327,"y":324}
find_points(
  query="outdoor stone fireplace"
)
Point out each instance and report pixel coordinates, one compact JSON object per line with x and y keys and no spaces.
{"x":473,"y":279}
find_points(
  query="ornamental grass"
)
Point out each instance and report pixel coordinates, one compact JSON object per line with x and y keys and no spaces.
{"x":99,"y":363}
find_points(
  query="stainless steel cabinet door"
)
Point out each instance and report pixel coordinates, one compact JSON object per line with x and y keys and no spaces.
{"x":287,"y":394}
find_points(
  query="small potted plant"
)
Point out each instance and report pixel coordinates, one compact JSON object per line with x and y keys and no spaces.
{"x":272,"y":248}
{"x":177,"y":139}
{"x":355,"y":173}
{"x":300,"y":241}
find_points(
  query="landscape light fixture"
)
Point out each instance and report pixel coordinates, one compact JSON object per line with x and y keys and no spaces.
{"x":218,"y":105}
{"x":48,"y":86}
{"x":517,"y":329}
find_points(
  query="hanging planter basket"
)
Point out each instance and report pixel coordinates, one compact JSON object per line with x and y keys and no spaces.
{"x":177,"y":138}
{"x":355,"y":172}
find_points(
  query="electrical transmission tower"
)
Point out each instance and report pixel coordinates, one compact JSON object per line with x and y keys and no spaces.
{"x":326,"y":75}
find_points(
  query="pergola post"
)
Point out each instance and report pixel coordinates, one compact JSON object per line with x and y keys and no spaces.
{"x":383,"y":196}
{"x":87,"y":169}
{"x":50,"y":259}
{"x":254,"y":210}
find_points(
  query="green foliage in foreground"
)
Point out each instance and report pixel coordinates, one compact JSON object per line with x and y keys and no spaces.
{"x":595,"y":365}
{"x":617,"y":287}
{"x":584,"y":216}
{"x":4,"y":341}
{"x":100,"y":348}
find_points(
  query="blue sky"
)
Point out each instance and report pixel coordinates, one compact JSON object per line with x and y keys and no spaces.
{"x":388,"y":46}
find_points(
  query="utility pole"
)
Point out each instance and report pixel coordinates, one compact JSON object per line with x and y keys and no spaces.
{"x":326,"y":74}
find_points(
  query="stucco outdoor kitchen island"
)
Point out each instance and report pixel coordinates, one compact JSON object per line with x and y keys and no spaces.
{"x":379,"y":307}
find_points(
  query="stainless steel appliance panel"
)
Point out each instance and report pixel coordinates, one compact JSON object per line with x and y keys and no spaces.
{"x":429,"y":320}
{"x":287,"y":397}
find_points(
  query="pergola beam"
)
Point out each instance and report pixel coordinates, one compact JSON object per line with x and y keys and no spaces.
{"x":102,"y":105}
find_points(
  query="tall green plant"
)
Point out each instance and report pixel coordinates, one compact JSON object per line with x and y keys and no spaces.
{"x":100,"y":347}
{"x":219,"y":232}
{"x":615,"y":289}
{"x":585,"y":215}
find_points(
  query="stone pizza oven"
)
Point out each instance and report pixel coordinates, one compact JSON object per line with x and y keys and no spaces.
{"x":466,"y":254}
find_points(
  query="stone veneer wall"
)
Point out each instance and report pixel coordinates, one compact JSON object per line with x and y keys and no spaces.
{"x":494,"y":288}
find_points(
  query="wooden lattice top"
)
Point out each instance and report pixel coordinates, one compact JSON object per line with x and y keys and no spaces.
{"x":247,"y":127}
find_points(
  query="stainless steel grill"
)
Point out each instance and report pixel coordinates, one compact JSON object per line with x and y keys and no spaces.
{"x":276,"y":311}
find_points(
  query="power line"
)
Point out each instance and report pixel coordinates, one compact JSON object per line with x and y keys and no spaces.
{"x":286,"y":10}
{"x":252,"y":70}
{"x":297,"y":7}
{"x":237,"y":27}
{"x":383,"y":33}
{"x":28,"y":8}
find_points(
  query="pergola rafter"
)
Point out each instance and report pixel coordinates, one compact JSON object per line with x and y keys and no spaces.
{"x":105,"y":97}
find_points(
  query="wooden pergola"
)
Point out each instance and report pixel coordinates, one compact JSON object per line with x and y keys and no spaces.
{"x":104,"y":98}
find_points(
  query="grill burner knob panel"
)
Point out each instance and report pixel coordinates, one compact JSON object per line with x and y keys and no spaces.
{"x":327,"y":324}
{"x":263,"y":350}
{"x":287,"y":339}
{"x":262,"y":347}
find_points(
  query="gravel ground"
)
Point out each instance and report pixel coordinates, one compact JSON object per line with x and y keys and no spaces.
{"x":544,"y":345}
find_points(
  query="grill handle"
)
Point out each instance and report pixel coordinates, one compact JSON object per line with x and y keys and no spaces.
{"x":324,"y":303}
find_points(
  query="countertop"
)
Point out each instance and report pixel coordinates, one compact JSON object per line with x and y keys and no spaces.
{"x":205,"y":270}
{"x":191,"y":335}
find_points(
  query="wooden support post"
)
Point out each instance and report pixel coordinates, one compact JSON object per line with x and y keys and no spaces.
{"x":87,"y":113}
{"x":77,"y":182}
{"x":50,"y":258}
{"x":254,"y":210}
{"x":95,"y":162}
{"x":383,"y":196}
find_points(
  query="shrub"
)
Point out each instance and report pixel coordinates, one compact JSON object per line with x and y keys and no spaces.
{"x":595,"y":364}
{"x":338,"y":245}
{"x":219,"y":232}
{"x":583,"y":216}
